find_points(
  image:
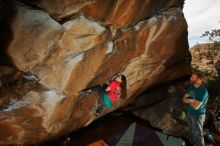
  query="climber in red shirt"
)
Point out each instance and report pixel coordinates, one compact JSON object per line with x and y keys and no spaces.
{"x":108,"y":96}
{"x":114,"y":89}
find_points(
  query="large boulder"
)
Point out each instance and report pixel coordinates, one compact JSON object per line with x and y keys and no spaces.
{"x":117,"y":12}
{"x":59,"y":8}
{"x":81,"y":52}
{"x":35,"y":35}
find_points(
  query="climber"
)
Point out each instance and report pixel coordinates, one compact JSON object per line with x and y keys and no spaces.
{"x":108,"y":96}
{"x":196,"y":99}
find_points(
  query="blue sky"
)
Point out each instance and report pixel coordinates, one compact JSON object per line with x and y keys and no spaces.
{"x":201,"y":15}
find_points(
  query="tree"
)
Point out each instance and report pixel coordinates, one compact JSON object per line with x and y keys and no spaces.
{"x":214,"y":36}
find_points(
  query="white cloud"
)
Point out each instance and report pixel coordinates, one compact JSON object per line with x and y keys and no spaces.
{"x":201,"y":15}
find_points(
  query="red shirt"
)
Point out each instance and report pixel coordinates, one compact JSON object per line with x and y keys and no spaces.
{"x":115,"y":91}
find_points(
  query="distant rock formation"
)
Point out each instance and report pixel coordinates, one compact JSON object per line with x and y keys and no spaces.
{"x":65,"y":46}
{"x":206,"y":58}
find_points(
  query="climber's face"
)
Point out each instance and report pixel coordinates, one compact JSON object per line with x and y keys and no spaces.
{"x":118,"y":78}
{"x":199,"y":81}
{"x":193,"y":78}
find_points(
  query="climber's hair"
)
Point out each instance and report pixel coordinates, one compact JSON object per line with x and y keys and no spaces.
{"x":199,"y":74}
{"x":123,"y":86}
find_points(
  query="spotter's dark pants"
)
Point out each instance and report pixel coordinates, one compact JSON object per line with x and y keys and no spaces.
{"x":195,"y":123}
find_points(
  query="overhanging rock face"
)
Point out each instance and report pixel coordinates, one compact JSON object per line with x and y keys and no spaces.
{"x":145,"y":41}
